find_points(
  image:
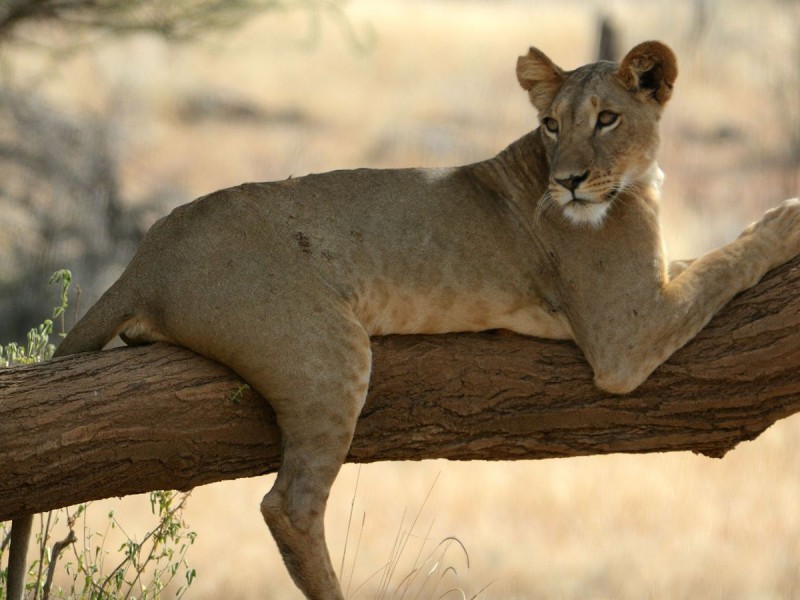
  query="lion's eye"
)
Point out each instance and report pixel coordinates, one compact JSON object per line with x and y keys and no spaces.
{"x":550,"y":124}
{"x":606,"y":119}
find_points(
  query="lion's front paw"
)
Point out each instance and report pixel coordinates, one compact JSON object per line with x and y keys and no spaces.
{"x":780,"y":229}
{"x":788,"y":209}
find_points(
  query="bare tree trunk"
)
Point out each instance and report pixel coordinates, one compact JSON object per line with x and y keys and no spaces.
{"x":608,"y":46}
{"x":136,"y":419}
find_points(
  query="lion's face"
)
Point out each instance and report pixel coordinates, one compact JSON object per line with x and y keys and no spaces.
{"x":599,"y":125}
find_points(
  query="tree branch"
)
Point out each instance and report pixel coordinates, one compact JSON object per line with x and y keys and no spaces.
{"x":136,"y":419}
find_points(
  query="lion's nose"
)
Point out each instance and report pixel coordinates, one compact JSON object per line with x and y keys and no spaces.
{"x":573,"y":181}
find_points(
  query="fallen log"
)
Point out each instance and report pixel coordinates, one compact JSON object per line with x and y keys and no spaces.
{"x":131,"y":420}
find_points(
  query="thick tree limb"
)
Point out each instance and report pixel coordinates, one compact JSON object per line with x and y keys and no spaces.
{"x":131,"y":420}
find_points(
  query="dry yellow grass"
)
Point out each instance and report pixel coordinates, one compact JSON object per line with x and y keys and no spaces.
{"x":437,"y":87}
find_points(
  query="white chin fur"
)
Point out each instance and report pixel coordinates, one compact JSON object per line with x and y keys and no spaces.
{"x":586,"y":213}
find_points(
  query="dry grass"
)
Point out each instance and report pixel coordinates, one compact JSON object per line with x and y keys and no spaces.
{"x":437,"y":87}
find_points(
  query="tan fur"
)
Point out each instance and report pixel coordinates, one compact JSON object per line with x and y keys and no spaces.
{"x":284,"y":282}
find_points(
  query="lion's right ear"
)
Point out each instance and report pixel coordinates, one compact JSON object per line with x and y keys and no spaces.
{"x":540,"y":77}
{"x":649,"y":71}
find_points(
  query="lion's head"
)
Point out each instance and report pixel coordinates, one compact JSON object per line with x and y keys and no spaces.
{"x":599,"y":124}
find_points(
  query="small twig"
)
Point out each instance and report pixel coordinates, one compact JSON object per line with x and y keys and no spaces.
{"x":58,"y":547}
{"x":349,"y":523}
{"x":42,"y":548}
{"x":129,"y":560}
{"x":77,"y":305}
{"x":5,"y":542}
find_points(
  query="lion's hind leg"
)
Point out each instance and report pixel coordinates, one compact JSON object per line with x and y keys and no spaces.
{"x":317,"y":395}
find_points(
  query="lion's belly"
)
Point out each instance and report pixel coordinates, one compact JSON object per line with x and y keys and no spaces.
{"x":384,"y":312}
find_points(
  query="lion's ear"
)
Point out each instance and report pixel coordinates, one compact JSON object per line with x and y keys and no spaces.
{"x":540,"y":77}
{"x":649,"y":71}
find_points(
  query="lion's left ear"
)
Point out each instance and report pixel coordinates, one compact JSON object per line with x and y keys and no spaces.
{"x":540,"y":77}
{"x":649,"y":71}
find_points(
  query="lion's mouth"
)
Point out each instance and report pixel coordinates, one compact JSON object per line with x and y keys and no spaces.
{"x":580,"y":201}
{"x":582,"y":207}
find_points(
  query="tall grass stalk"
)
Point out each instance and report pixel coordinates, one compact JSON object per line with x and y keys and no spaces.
{"x":431,"y":570}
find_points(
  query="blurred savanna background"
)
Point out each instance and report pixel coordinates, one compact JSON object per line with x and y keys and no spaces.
{"x":106,"y":125}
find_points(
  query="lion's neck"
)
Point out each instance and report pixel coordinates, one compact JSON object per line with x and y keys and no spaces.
{"x":517,"y":176}
{"x":521,"y":168}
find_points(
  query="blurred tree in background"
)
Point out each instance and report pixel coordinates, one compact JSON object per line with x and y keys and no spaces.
{"x":170,"y":18}
{"x":60,"y":196}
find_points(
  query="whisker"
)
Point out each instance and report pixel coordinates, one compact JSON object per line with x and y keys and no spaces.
{"x":545,"y":202}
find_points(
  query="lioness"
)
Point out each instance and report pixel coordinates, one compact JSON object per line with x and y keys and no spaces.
{"x":558,"y":236}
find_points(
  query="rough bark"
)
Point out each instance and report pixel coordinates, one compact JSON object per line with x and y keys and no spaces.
{"x":131,"y":420}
